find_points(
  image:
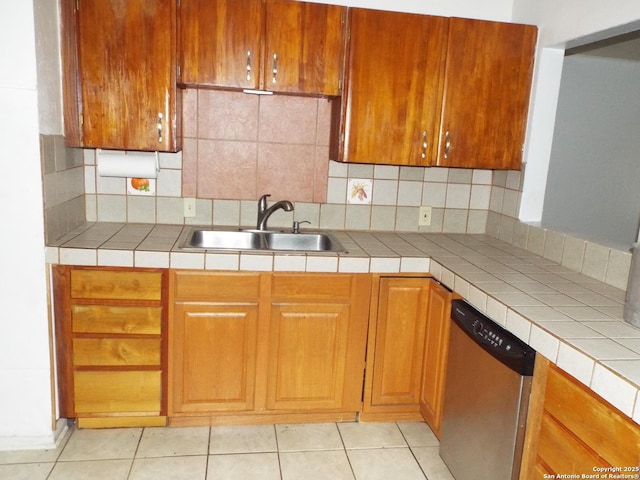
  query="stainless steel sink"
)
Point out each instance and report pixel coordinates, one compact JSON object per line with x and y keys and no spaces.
{"x":259,"y":240}
{"x":215,"y":239}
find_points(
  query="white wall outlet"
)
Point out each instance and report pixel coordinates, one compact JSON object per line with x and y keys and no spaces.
{"x":189,"y":207}
{"x":424,"y":218}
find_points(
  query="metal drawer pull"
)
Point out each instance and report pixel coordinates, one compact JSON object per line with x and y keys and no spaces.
{"x":160,"y":128}
{"x":425,"y":144}
{"x":248,"y":65}
{"x":275,"y":67}
{"x":447,"y":144}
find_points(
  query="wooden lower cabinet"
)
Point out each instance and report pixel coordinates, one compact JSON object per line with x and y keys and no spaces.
{"x":571,"y":430}
{"x":111,"y":345}
{"x":266,"y":347}
{"x":397,"y":327}
{"x":436,"y":347}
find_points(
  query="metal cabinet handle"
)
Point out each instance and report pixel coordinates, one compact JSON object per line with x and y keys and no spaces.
{"x":447,"y":144}
{"x":275,"y":67}
{"x":248,"y":65}
{"x":425,"y":144}
{"x":160,"y":127}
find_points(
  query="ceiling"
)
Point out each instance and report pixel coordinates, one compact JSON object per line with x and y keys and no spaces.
{"x":622,"y":47}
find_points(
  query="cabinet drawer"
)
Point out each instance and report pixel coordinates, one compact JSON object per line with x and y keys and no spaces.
{"x":330,"y":286}
{"x":108,"y":392}
{"x":116,"y":351}
{"x":111,"y":319}
{"x":223,"y":286}
{"x":116,"y":285}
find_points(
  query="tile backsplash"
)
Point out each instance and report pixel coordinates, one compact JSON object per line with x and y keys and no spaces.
{"x":239,"y":146}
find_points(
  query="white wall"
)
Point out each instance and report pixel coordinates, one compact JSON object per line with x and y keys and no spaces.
{"x":25,"y":401}
{"x":561,"y":24}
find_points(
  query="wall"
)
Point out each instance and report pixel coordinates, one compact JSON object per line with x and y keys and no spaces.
{"x":25,"y":368}
{"x":572,"y":23}
{"x":592,"y":186}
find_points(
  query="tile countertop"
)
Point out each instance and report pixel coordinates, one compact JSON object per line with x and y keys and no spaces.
{"x":573,"y":320}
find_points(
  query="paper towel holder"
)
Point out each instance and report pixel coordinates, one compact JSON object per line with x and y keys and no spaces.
{"x":126,"y":164}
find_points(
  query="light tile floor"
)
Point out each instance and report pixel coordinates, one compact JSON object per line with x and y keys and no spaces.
{"x":327,"y":451}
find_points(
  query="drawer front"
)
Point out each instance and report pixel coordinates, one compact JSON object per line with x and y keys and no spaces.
{"x":110,"y":319}
{"x":116,"y":351}
{"x":317,"y":287}
{"x":110,"y":392}
{"x":116,"y":285}
{"x":218,"y":286}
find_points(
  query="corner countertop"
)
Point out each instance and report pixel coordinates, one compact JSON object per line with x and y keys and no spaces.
{"x":573,"y":320}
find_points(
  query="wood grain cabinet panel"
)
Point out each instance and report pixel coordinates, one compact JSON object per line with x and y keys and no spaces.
{"x":276,"y":45}
{"x":572,"y":430}
{"x":287,"y":347}
{"x":436,"y":347}
{"x":115,"y":285}
{"x":304,"y":47}
{"x":423,"y":90}
{"x":221,"y":43}
{"x":111,"y":345}
{"x":307,"y":361}
{"x":103,"y":392}
{"x":487,"y":84}
{"x":214,"y":357}
{"x":116,"y":319}
{"x":396,"y":347}
{"x":119,"y":69}
{"x":391,"y":102}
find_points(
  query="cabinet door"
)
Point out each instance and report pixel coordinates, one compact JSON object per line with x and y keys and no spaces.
{"x":304,"y":47}
{"x":213,"y":357}
{"x":126,"y":61}
{"x":399,"y":342}
{"x":486,"y":94}
{"x":391,"y":96}
{"x":435,"y":355}
{"x":221,"y":43}
{"x":307,"y":356}
{"x":572,"y":429}
{"x":317,"y":342}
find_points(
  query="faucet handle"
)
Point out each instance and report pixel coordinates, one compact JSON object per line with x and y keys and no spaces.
{"x":296,"y":226}
{"x":262,"y":202}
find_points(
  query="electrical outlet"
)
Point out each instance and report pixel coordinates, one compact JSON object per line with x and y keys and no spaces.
{"x":189,"y":207}
{"x":424,"y":218}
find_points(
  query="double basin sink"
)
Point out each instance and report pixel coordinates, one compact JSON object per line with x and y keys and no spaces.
{"x":260,"y":240}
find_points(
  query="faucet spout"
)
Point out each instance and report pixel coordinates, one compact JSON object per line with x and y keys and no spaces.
{"x":264,"y":213}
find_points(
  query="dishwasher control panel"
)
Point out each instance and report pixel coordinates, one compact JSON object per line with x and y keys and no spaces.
{"x":492,"y":337}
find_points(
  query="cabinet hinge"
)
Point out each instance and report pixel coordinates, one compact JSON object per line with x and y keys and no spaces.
{"x":77,"y":5}
{"x":179,"y":2}
{"x":178,"y":71}
{"x":81,"y":120}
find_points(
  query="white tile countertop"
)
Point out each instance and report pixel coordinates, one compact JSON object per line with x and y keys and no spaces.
{"x":570,"y":318}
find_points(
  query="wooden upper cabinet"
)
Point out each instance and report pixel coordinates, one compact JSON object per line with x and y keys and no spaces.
{"x":221,"y":43}
{"x":304,"y":47}
{"x":276,"y":45}
{"x":390,"y":105}
{"x":486,"y":94}
{"x":120,"y":74}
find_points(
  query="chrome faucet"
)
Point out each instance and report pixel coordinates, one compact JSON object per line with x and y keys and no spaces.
{"x":264,"y":213}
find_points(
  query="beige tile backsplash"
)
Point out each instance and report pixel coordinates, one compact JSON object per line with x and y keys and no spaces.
{"x":237,"y":147}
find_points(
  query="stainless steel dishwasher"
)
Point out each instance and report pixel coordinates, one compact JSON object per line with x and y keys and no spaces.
{"x":486,"y":398}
